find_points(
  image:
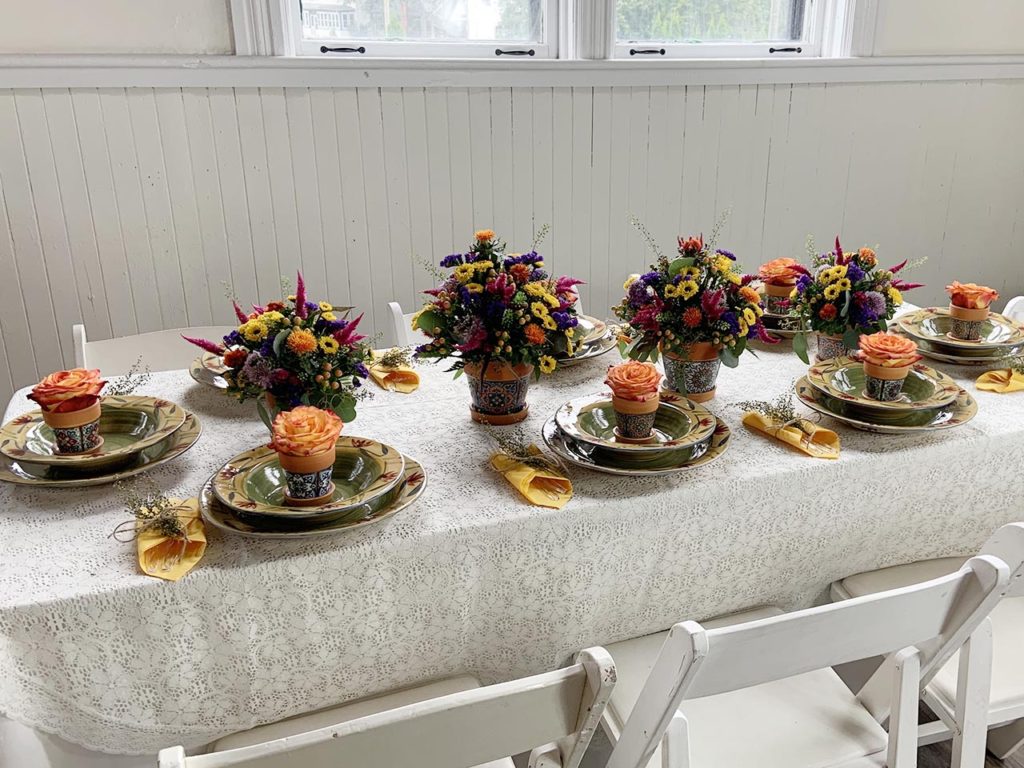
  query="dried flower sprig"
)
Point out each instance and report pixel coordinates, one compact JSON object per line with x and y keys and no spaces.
{"x":781,"y":409}
{"x":150,"y":509}
{"x":652,"y":244}
{"x":137,"y":376}
{"x":540,"y":236}
{"x":396,"y":357}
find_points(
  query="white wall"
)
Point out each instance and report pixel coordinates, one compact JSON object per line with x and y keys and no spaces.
{"x":115,"y":26}
{"x":128,"y":208}
{"x":949,"y":27}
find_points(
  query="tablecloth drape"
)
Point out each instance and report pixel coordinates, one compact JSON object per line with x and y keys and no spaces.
{"x":470,"y":579}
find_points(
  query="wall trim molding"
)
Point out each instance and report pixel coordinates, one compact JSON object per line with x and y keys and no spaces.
{"x":73,"y":71}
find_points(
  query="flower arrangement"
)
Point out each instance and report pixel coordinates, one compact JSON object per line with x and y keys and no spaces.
{"x":305,"y":431}
{"x":298,"y":352}
{"x":698,"y":297}
{"x":844,"y":295}
{"x":887,"y":359}
{"x":68,"y":391}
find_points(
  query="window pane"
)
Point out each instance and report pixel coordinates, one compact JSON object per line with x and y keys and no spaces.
{"x":705,"y":21}
{"x":424,"y":20}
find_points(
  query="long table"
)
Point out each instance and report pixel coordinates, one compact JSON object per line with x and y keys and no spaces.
{"x":471,"y":578}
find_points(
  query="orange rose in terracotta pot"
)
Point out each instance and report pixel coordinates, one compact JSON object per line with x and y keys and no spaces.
{"x":887,"y":359}
{"x":70,"y":403}
{"x":304,"y":439}
{"x":635,"y":398}
{"x":969,"y":308}
{"x":779,"y":276}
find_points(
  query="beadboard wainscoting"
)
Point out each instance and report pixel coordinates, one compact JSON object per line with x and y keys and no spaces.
{"x":139,"y":209}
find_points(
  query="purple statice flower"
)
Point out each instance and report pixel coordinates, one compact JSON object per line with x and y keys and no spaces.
{"x":267,"y":348}
{"x":732,"y":321}
{"x":234,"y":339}
{"x":540,"y":274}
{"x":451,"y":260}
{"x":639,"y":293}
{"x":361,"y":371}
{"x":259,"y":370}
{"x":803,"y":283}
{"x":564,"y":320}
{"x":311,"y":306}
{"x":650,"y":278}
{"x":854,"y":273}
{"x":727,"y":254}
{"x":713,"y":304}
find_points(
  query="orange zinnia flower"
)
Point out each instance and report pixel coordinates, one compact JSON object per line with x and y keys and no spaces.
{"x":484,"y":234}
{"x":750,"y":294}
{"x":827,"y":312}
{"x":534,"y":333}
{"x":301,"y":341}
{"x":692,"y":317}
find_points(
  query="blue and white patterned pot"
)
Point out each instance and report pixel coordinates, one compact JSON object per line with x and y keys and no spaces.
{"x":831,"y":346}
{"x":309,"y":485}
{"x":694,"y":376}
{"x":885,"y":390}
{"x":499,"y":397}
{"x":77,"y":431}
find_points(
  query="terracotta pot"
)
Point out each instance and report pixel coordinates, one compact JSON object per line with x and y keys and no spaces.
{"x":308,"y":477}
{"x":967,"y":322}
{"x":76,"y":431}
{"x":776,"y":295}
{"x":499,"y":395}
{"x":693,"y":372}
{"x":634,"y":419}
{"x":832,"y":346}
{"x":884,"y":383}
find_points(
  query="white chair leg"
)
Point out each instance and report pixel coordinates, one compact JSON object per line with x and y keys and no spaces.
{"x":974,"y":679}
{"x":1006,"y":739}
{"x":675,"y":744}
{"x":548,"y":756}
{"x":902,"y":751}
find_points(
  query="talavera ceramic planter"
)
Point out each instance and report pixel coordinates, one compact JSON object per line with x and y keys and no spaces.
{"x":75,"y":431}
{"x":693,"y":372}
{"x":308,"y":477}
{"x":776,"y":298}
{"x":832,"y":346}
{"x":499,"y":393}
{"x":884,"y":384}
{"x":634,"y":419}
{"x":966,"y":323}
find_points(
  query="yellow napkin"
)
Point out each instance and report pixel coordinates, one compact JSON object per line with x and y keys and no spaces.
{"x":166,"y":557}
{"x":808,"y":437}
{"x":1006,"y":380}
{"x":399,"y":379}
{"x":543,"y":487}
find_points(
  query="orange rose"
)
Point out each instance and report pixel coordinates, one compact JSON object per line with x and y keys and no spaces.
{"x":888,"y":350}
{"x":305,"y":431}
{"x":68,"y":391}
{"x":779,"y":272}
{"x":633,"y":380}
{"x":971,"y":295}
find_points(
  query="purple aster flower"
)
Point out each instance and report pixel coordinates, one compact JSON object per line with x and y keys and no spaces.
{"x":258,"y":370}
{"x":650,"y":278}
{"x":451,"y":260}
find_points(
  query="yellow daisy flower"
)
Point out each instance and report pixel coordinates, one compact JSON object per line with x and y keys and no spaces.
{"x":534,"y":289}
{"x":539,"y":309}
{"x":630,"y":280}
{"x":690,"y":273}
{"x":329,"y":316}
{"x":325,"y":306}
{"x":844,"y":284}
{"x":549,"y":322}
{"x":832,"y":292}
{"x":482,"y":266}
{"x":253,"y":330}
{"x":464,"y":273}
{"x":271,"y":318}
{"x":733,"y":277}
{"x":744,"y":329}
{"x":749,"y":316}
{"x":474,"y":287}
{"x":671,"y":291}
{"x":328,"y":345}
{"x":895,"y":295}
{"x":688,"y":289}
{"x":547,"y":364}
{"x":552,"y":301}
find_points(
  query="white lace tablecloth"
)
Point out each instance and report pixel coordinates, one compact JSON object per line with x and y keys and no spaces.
{"x":471,"y":578}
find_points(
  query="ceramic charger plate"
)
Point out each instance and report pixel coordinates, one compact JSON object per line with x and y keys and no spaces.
{"x":209,"y":369}
{"x":933,"y":325}
{"x":590,"y":328}
{"x":677,"y":425}
{"x":254,"y":483}
{"x":26,"y":473}
{"x":843,"y":378}
{"x":128,"y":425}
{"x":954,"y":414}
{"x":649,"y":465}
{"x":593,"y":349}
{"x":408,"y":490}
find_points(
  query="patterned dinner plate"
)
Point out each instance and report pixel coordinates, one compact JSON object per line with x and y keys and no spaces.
{"x":666,"y":463}
{"x":408,"y":490}
{"x":597,"y":348}
{"x":170,"y":448}
{"x":843,"y":378}
{"x":209,"y":370}
{"x":254,"y":483}
{"x":591,"y":328}
{"x":128,"y":424}
{"x":781,"y":326}
{"x":960,"y":411}
{"x":933,"y":324}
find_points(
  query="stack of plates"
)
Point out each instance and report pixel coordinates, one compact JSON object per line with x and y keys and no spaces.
{"x":139,"y":433}
{"x":372,"y":482}
{"x":931,"y":400}
{"x":597,"y":338}
{"x":930,"y":328}
{"x":209,"y":370}
{"x":686,"y":435}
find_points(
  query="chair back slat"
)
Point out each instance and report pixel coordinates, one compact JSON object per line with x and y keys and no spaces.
{"x":1007,"y":544}
{"x":463,"y":729}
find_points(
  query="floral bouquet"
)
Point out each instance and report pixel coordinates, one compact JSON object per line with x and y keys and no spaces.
{"x":501,"y":317}
{"x":843,"y":296}
{"x":294,"y":352}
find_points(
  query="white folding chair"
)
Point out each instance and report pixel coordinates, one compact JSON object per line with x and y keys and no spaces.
{"x":402,"y":332}
{"x":1014,"y":309}
{"x":159,"y":350}
{"x":758,"y":689}
{"x":1006,"y":701}
{"x":554,"y":714}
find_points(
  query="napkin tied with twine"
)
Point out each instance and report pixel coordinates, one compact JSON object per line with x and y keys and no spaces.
{"x":170,"y":544}
{"x":806,"y":436}
{"x":538,"y":482}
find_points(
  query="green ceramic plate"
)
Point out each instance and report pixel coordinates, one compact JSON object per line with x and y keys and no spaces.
{"x":960,"y":411}
{"x":209,"y":370}
{"x":408,"y":490}
{"x":254,"y":483}
{"x":25,"y":473}
{"x":844,"y":379}
{"x":666,"y":463}
{"x":677,"y":425}
{"x":933,"y":324}
{"x":128,"y":425}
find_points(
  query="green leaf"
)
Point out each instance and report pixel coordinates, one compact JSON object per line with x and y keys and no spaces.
{"x":800,"y":347}
{"x":678,"y":265}
{"x":264,"y":412}
{"x":728,"y":357}
{"x":428,"y":321}
{"x":280,"y":339}
{"x":346,"y":410}
{"x":458,"y":373}
{"x":851,"y":337}
{"x":654,"y":355}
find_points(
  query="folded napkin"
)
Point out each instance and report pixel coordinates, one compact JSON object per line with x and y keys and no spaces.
{"x":804,"y":435}
{"x":169,"y":557}
{"x":1005,"y":380}
{"x":540,"y":486}
{"x":399,"y":378}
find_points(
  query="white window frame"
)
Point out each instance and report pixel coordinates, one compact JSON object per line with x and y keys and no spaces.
{"x":811,"y":45}
{"x":477,"y":49}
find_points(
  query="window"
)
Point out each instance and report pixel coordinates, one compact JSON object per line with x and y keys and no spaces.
{"x":716,"y":28}
{"x":426,"y":28}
